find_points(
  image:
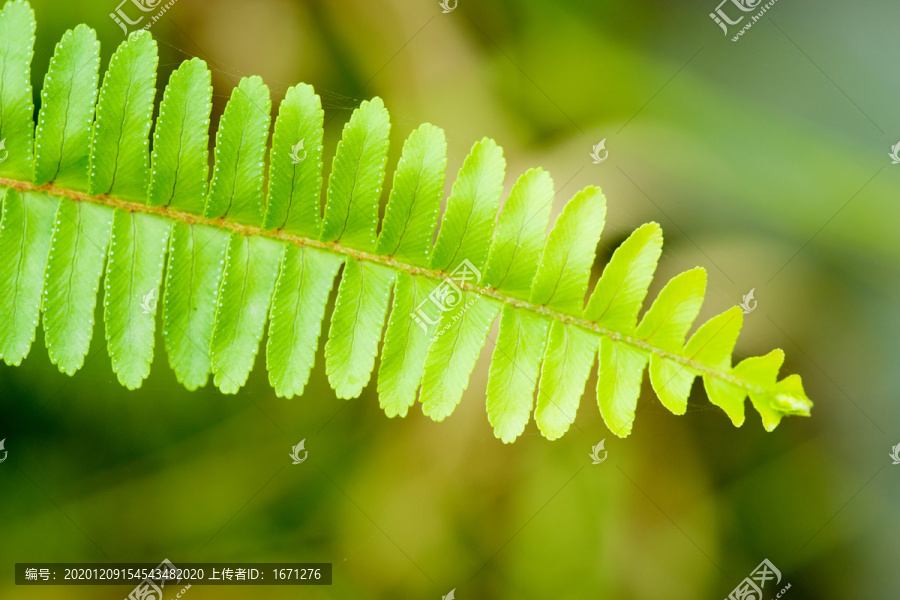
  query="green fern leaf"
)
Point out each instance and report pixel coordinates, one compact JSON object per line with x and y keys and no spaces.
{"x":196,"y":261}
{"x":120,"y":138}
{"x":86,"y":197}
{"x":567,"y":363}
{"x":236,"y":188}
{"x":406,"y":341}
{"x":712,"y":344}
{"x":466,"y":228}
{"x":619,"y":384}
{"x":298,"y":307}
{"x":67,"y":110}
{"x":463,"y":243}
{"x":460,"y":335}
{"x":179,"y":163}
{"x":356,"y":326}
{"x":519,"y":237}
{"x":251,"y":268}
{"x":619,"y":294}
{"x":77,"y":255}
{"x":562,"y":276}
{"x":133,"y":274}
{"x":295,"y":172}
{"x":357,"y":174}
{"x":514,"y":371}
{"x":16,"y":107}
{"x":415,"y":199}
{"x":25,"y":231}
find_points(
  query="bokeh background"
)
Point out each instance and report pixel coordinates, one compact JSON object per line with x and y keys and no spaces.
{"x":765,"y":161}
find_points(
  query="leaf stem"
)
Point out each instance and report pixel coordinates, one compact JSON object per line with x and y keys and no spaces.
{"x":388,"y":261}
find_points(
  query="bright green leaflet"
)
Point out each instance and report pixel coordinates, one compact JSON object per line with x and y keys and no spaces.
{"x":672,"y":383}
{"x":465,"y":232}
{"x":520,"y":235}
{"x":77,"y":254}
{"x":120,"y":139}
{"x":623,"y":286}
{"x":357,"y":174}
{"x":196,"y":262}
{"x":16,"y":106}
{"x":410,"y":329}
{"x":236,"y":188}
{"x":619,"y":384}
{"x":514,"y":371}
{"x":301,"y":294}
{"x":415,"y":199}
{"x":356,"y":326}
{"x":562,"y":276}
{"x":761,"y":371}
{"x":251,"y":268}
{"x":664,"y":326}
{"x":295,"y":172}
{"x":135,"y":266}
{"x":568,"y":360}
{"x":461,"y":334}
{"x":85,"y":197}
{"x":67,"y":109}
{"x":179,"y":163}
{"x":25,"y":230}
{"x":673,"y":311}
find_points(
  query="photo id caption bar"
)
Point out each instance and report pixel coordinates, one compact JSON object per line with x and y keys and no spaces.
{"x":235,"y":573}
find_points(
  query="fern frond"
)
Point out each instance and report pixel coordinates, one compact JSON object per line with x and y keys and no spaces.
{"x":86,"y":198}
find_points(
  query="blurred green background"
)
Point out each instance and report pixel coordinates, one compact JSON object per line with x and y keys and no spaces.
{"x":765,"y":161}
